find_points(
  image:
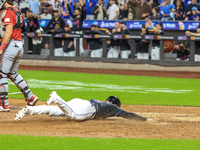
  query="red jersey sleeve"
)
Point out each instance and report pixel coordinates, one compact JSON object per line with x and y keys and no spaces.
{"x":9,"y":18}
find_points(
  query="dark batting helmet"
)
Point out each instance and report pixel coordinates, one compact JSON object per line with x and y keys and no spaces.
{"x":114,"y":100}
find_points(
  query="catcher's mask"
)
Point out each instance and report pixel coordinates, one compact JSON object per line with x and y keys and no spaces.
{"x":2,"y":2}
{"x":114,"y":100}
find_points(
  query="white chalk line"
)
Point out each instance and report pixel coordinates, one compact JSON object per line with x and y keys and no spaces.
{"x":81,"y":86}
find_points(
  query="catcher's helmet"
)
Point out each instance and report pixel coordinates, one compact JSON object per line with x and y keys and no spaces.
{"x":114,"y":100}
{"x":2,"y":2}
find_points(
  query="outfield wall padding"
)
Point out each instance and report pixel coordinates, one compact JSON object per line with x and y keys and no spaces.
{"x":101,"y":65}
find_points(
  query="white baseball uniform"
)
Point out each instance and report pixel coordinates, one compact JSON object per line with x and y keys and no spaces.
{"x":75,"y":109}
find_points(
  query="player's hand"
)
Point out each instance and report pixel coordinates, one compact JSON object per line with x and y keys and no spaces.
{"x":1,"y":51}
{"x":151,"y":120}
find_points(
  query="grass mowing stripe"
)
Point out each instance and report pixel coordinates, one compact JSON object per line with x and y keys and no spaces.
{"x":154,"y":88}
{"x":51,"y":143}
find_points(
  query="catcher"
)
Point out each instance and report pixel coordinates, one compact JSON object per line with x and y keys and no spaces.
{"x":79,"y":110}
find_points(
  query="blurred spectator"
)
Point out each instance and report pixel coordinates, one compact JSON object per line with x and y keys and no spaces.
{"x":24,"y":12}
{"x":68,"y":44}
{"x":57,"y":41}
{"x":114,"y":43}
{"x":44,"y":5}
{"x":95,"y":44}
{"x":57,"y":4}
{"x":51,"y":10}
{"x":155,"y":15}
{"x":124,"y":44}
{"x":143,"y":9}
{"x":187,"y":2}
{"x":113,"y":11}
{"x":78,"y":18}
{"x":166,"y":10}
{"x":99,"y":11}
{"x":65,"y":12}
{"x":46,"y":14}
{"x":33,"y":26}
{"x":181,"y":3}
{"x":89,"y":5}
{"x":189,"y":7}
{"x":183,"y":54}
{"x":46,"y":50}
{"x":142,"y":46}
{"x":131,"y":12}
{"x":197,"y":43}
{"x":65,"y":8}
{"x":179,"y":10}
{"x":195,"y":14}
{"x":54,"y":20}
{"x":34,"y":6}
{"x":125,"y":10}
{"x":154,"y":3}
{"x":106,"y":3}
{"x":155,"y":52}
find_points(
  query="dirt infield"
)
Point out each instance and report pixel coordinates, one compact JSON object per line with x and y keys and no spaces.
{"x":172,"y":122}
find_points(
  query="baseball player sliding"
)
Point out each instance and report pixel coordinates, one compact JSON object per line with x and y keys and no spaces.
{"x":79,"y":109}
{"x":11,"y":51}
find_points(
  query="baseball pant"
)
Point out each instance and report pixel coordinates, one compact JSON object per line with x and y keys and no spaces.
{"x":125,"y":53}
{"x":113,"y":52}
{"x":9,"y":68}
{"x":58,"y":52}
{"x":96,"y":53}
{"x":155,"y":53}
{"x":80,"y":43}
{"x":70,"y":54}
{"x":196,"y":57}
{"x":143,"y":55}
{"x":76,"y":109}
{"x":52,"y":111}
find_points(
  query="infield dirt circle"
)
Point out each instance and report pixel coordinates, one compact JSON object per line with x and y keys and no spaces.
{"x":172,"y":122}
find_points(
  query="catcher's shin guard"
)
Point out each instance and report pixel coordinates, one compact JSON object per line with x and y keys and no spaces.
{"x":21,"y":84}
{"x":3,"y":89}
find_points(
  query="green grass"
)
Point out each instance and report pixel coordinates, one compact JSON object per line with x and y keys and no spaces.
{"x":19,"y":142}
{"x":90,"y":88}
{"x":130,"y":90}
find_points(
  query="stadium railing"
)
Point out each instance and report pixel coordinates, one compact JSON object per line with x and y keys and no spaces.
{"x":104,"y":38}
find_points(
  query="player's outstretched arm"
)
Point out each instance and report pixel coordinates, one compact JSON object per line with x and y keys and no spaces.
{"x":132,"y":116}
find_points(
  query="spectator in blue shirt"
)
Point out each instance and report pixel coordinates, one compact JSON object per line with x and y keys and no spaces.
{"x":106,"y":2}
{"x":195,"y":15}
{"x":166,"y":10}
{"x":189,"y":7}
{"x":89,"y":5}
{"x":64,"y":12}
{"x":34,"y":6}
{"x":187,"y":2}
{"x":65,"y":9}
